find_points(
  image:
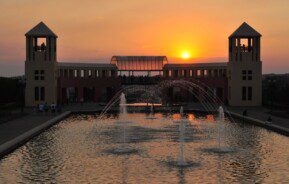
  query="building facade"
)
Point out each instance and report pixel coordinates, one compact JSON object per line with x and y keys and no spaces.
{"x":245,"y":67}
{"x":236,"y":82}
{"x":41,"y":66}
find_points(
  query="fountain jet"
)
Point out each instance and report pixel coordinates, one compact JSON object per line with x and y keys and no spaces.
{"x":181,"y":157}
{"x":221,"y":113}
{"x":123,"y":114}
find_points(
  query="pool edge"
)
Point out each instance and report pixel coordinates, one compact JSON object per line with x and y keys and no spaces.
{"x":260,"y":123}
{"x":20,"y":140}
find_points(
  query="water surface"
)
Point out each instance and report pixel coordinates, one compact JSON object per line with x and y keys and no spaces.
{"x":80,"y":150}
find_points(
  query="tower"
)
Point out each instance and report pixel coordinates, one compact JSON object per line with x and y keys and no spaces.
{"x":245,"y":67}
{"x":40,"y":66}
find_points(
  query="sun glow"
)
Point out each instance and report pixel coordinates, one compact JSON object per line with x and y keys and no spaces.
{"x":185,"y":55}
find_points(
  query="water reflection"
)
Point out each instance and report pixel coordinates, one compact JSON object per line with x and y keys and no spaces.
{"x":75,"y":151}
{"x":181,"y":176}
{"x":36,"y":161}
{"x":210,"y":118}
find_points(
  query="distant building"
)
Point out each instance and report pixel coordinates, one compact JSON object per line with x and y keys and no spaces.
{"x":236,"y":82}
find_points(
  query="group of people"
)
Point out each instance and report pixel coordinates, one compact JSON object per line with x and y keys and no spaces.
{"x":44,"y":107}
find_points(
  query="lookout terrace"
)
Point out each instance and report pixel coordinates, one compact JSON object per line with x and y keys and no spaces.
{"x":236,"y":82}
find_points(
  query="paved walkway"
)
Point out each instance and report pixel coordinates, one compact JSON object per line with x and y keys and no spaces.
{"x":262,"y":114}
{"x":11,"y":129}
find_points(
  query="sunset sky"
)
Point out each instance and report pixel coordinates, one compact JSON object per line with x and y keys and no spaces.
{"x":94,"y":30}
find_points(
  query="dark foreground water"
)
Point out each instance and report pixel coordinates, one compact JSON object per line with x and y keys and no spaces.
{"x":82,"y":149}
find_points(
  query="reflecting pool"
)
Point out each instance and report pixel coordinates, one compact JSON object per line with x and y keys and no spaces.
{"x":142,"y":149}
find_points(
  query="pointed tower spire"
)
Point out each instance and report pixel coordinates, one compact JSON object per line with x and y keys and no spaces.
{"x":40,"y":30}
{"x":245,"y":30}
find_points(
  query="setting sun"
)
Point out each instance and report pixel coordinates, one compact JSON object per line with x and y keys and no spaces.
{"x":194,"y":84}
{"x":186,"y":55}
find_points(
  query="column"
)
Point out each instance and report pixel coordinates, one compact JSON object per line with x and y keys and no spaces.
{"x":27,"y":49}
{"x":47,"y":50}
{"x":254,"y":54}
{"x":249,"y":44}
{"x":80,"y":94}
{"x":258,"y":49}
{"x":239,"y":50}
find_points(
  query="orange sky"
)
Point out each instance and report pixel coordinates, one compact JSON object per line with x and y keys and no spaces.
{"x":94,"y":30}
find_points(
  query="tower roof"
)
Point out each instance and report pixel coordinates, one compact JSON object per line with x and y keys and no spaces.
{"x":245,"y":31}
{"x":41,"y":29}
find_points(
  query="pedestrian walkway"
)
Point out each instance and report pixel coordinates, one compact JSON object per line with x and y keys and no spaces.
{"x":262,"y":114}
{"x":16,"y":127}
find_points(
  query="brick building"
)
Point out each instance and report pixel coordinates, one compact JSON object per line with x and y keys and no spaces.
{"x":236,"y":82}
